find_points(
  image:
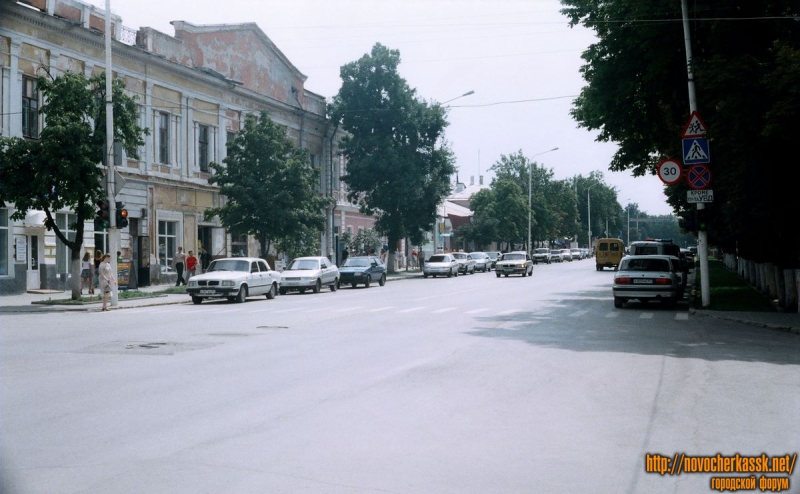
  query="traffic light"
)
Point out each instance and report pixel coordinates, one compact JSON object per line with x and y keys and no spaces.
{"x":122,"y":215}
{"x":702,"y":220}
{"x":102,"y":219}
{"x":687,"y":221}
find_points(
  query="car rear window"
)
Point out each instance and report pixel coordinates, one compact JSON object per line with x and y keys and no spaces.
{"x":645,"y":265}
{"x":438,"y":259}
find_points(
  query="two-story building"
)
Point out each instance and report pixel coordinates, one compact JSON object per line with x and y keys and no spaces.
{"x":194,"y":89}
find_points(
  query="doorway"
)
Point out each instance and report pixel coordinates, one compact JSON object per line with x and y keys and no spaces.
{"x":33,"y":256}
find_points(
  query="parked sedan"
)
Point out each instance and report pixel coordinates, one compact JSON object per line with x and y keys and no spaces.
{"x":566,"y":255}
{"x":440,"y":264}
{"x":309,"y":273}
{"x":646,"y":278}
{"x":576,"y":254}
{"x":514,"y":263}
{"x":362,"y":270}
{"x":234,"y":279}
{"x":541,"y":255}
{"x":482,"y":261}
{"x":556,"y":256}
{"x":465,"y":262}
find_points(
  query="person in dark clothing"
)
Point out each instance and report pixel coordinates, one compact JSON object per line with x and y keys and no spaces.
{"x":205,"y":259}
{"x":345,"y":255}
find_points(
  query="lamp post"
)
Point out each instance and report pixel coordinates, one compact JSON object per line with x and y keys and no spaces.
{"x":589,"y":211}
{"x":629,"y":221}
{"x":453,"y":99}
{"x":530,"y":174}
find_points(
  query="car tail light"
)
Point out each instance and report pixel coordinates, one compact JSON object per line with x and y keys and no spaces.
{"x":622,"y":281}
{"x":663,"y":281}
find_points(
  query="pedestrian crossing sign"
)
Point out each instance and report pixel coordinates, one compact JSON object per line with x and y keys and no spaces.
{"x":696,"y":151}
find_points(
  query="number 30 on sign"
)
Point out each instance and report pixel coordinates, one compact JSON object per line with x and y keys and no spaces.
{"x":670,"y":171}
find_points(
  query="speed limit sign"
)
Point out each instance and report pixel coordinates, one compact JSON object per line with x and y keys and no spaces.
{"x":670,"y":171}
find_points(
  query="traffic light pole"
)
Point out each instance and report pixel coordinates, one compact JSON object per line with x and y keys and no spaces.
{"x":702,"y":234}
{"x":113,"y":232}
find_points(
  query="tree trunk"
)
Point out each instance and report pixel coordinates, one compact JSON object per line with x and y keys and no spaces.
{"x":75,"y":268}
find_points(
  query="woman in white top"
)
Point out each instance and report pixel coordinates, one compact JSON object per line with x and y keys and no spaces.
{"x":107,"y":279}
{"x":87,"y":266}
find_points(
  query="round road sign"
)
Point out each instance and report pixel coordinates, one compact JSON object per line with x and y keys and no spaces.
{"x":670,"y":171}
{"x":698,"y":177}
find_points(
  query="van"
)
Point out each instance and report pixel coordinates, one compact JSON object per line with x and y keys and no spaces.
{"x":608,"y":253}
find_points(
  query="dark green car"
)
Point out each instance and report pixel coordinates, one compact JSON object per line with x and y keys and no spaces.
{"x":362,"y":270}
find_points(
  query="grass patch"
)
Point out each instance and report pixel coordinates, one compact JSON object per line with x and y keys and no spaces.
{"x":729,"y":292}
{"x":173,"y":290}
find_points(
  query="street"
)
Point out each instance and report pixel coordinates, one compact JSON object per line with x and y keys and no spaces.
{"x":474,"y":384}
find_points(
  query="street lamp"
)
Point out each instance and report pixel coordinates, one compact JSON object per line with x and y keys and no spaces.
{"x":530,"y":170}
{"x":629,"y":220}
{"x":465,"y":94}
{"x":589,"y":211}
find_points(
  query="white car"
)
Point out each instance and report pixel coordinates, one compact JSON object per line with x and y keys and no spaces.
{"x":441,"y":264}
{"x":236,"y":279}
{"x":466,"y":264}
{"x":309,"y":273}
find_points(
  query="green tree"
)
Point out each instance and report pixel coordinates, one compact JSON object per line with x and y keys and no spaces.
{"x":512,"y":204}
{"x":746,"y":93}
{"x":395,"y":156}
{"x":269,"y":189}
{"x":61,"y":170}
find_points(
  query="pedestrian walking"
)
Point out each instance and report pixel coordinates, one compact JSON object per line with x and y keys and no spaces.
{"x":205,"y":259}
{"x":87,"y":268}
{"x":345,"y":255}
{"x":178,"y":264}
{"x":191,"y":265}
{"x":414,"y":260}
{"x":98,"y":258}
{"x":107,"y":279}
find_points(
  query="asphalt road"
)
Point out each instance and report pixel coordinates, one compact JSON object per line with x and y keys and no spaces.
{"x":469,"y":384}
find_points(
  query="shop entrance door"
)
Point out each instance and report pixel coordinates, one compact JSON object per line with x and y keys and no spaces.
{"x":33,"y":255}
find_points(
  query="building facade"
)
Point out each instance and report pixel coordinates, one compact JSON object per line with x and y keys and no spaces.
{"x":194,"y":89}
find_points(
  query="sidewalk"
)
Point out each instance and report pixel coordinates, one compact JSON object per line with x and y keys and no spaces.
{"x":25,"y":302}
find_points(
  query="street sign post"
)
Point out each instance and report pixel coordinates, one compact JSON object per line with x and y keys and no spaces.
{"x":670,"y":171}
{"x":695,"y":196}
{"x":698,"y":177}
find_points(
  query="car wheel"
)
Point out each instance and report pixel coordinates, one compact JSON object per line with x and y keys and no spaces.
{"x":282,"y":291}
{"x":456,"y":273}
{"x":424,"y":275}
{"x":618,"y":302}
{"x":506,"y":276}
{"x":599,"y":267}
{"x":242,"y":295}
{"x":356,"y":284}
{"x":271,"y":293}
{"x":317,"y":286}
{"x":231,"y":299}
{"x":335,"y":285}
{"x":368,"y":281}
{"x":531,"y":273}
{"x":197,"y":300}
{"x":301,"y":290}
{"x":382,"y":281}
{"x":497,"y":273}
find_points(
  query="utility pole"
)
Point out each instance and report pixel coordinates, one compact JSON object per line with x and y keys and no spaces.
{"x":702,"y":236}
{"x":113,"y":232}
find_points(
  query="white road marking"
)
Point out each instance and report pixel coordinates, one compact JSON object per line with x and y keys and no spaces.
{"x":404,"y":311}
{"x":682,"y":316}
{"x":475,"y":311}
{"x":379,"y":309}
{"x":646,"y":315}
{"x":612,"y":314}
{"x":446,"y":309}
{"x":348,"y":309}
{"x":578,"y":313}
{"x":508,"y":312}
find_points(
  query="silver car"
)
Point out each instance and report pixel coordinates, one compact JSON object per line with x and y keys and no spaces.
{"x":647,"y":278}
{"x":441,"y":265}
{"x":465,"y":261}
{"x":235,"y":279}
{"x":482,"y":261}
{"x":305,"y":273}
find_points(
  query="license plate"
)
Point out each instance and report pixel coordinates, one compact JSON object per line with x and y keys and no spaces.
{"x":643,"y":282}
{"x":207,"y":292}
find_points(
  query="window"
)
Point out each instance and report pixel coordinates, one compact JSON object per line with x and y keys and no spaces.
{"x":65,"y":223}
{"x":3,"y":242}
{"x":202,"y":147}
{"x":101,"y":242}
{"x":163,"y":138}
{"x":30,"y":108}
{"x":239,"y":246}
{"x":167,"y":243}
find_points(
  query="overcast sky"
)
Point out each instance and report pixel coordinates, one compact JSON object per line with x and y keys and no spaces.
{"x":519,"y":57}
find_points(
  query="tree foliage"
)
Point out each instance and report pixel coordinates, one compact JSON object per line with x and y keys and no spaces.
{"x":394,"y":153}
{"x":269,"y":189}
{"x":746,"y":63}
{"x":60,"y":170}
